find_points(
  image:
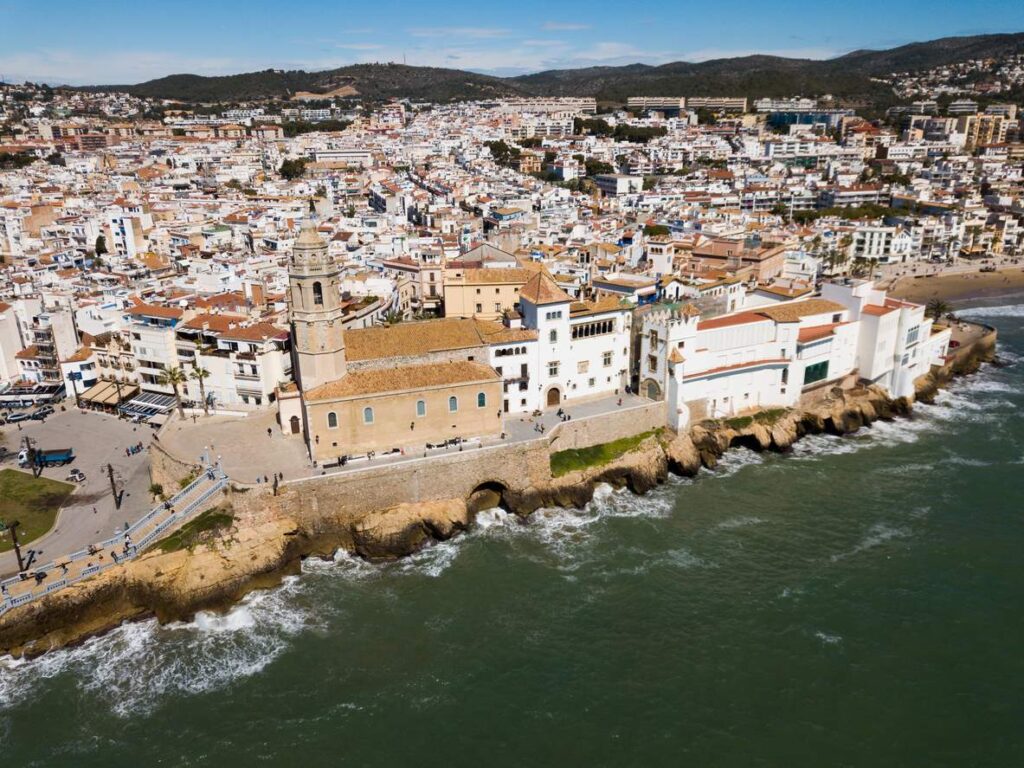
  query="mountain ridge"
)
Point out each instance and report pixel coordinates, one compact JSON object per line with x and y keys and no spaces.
{"x":848,"y":77}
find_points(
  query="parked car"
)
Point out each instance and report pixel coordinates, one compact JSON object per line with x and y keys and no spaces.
{"x":42,"y":413}
{"x":76,"y":476}
{"x":14,"y":418}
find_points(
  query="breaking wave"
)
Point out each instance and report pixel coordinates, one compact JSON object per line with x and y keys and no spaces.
{"x":135,"y":667}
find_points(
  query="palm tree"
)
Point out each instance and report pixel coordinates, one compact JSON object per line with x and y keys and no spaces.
{"x":200,"y":375}
{"x":937,"y":308}
{"x":175,"y":378}
{"x":860,"y":266}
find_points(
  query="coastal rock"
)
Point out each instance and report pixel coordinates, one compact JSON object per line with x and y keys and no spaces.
{"x":171,"y":586}
{"x":405,"y":528}
{"x":683,"y":456}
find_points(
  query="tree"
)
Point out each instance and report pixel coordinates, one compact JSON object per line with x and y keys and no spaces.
{"x":101,"y":245}
{"x":656,"y":230}
{"x":860,"y":266}
{"x":293,"y":168}
{"x":175,"y":378}
{"x":937,"y":309}
{"x":201,"y":375}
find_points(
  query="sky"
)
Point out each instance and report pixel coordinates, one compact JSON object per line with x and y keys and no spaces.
{"x":121,"y":41}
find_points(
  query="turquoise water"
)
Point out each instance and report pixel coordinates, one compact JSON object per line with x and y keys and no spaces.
{"x":857,"y":603}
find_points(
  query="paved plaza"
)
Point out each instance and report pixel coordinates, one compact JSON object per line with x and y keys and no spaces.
{"x":98,"y":439}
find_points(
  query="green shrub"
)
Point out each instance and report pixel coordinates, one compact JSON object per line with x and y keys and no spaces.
{"x":576,"y":459}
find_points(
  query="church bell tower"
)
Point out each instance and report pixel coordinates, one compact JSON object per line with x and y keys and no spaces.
{"x":315,"y":312}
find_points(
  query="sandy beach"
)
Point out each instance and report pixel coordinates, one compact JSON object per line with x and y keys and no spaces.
{"x":960,"y":287}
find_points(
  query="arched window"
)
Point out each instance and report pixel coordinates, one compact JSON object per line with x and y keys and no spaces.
{"x":367,"y":415}
{"x":421,"y":407}
{"x":332,"y":420}
{"x":318,"y":294}
{"x":453,"y":404}
{"x":553,"y":336}
{"x":481,"y":399}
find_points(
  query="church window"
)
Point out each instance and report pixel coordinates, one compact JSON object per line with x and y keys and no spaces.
{"x":367,"y":415}
{"x":481,"y":400}
{"x":453,"y":404}
{"x":318,"y":294}
{"x":421,"y":408}
{"x":332,"y":420}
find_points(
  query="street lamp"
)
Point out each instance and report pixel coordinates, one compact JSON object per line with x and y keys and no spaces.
{"x":13,"y":528}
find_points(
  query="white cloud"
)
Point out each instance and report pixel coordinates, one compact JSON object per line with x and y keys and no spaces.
{"x":564,"y":26}
{"x":75,"y":68}
{"x":463,"y":32}
{"x":359,"y":46}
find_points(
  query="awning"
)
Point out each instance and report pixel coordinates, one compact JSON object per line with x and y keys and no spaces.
{"x":109,"y":393}
{"x":148,"y":404}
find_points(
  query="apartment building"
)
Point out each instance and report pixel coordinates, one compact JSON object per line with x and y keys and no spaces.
{"x":483,"y":292}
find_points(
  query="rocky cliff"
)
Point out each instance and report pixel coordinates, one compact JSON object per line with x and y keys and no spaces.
{"x":259,"y":550}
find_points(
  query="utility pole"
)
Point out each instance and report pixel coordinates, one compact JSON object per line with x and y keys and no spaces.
{"x":13,"y":528}
{"x":113,"y":486}
{"x":75,"y":376}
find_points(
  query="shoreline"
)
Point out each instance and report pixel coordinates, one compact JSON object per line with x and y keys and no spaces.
{"x":217,"y":573}
{"x":961,"y":287}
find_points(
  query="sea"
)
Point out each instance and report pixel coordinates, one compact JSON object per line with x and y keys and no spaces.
{"x":857,"y":602}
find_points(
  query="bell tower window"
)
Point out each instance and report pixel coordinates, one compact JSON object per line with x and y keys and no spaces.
{"x":318,"y":294}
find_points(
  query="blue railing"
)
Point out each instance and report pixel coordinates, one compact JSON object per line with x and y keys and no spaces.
{"x":212,"y":475}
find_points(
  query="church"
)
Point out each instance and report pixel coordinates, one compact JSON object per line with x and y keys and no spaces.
{"x":408,"y":384}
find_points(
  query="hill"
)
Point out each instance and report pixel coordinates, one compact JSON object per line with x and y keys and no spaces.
{"x":848,"y":77}
{"x":371,"y":81}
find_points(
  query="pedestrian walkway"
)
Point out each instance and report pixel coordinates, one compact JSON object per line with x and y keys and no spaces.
{"x":126,"y":545}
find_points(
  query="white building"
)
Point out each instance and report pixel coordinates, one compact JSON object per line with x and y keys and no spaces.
{"x":772,"y":356}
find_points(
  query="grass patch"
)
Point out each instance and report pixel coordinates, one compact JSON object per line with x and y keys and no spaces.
{"x":767,"y":417}
{"x":32,"y":501}
{"x":740,"y":422}
{"x":203,"y":528}
{"x":574,"y":459}
{"x":770,"y":415}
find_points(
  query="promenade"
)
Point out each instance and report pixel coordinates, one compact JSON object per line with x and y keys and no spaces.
{"x":123,"y":546}
{"x":248,"y":454}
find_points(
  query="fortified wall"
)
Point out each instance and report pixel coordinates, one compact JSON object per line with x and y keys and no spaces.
{"x":516,"y":468}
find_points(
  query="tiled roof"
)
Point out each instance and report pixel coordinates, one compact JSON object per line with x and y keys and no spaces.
{"x":876,"y":310}
{"x":724,"y":321}
{"x":154,"y":310}
{"x":411,"y":339}
{"x":402,"y":378}
{"x":792,"y":312}
{"x":541,"y":289}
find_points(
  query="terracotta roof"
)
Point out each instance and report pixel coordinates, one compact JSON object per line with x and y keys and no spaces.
{"x":541,"y":289}
{"x":492,"y":332}
{"x":876,"y":310}
{"x":815,"y":332}
{"x":411,"y":339}
{"x":256,"y":332}
{"x":724,"y":321}
{"x":154,"y":310}
{"x":80,"y":355}
{"x":217,"y":323}
{"x":403,"y":378}
{"x":794,"y":311}
{"x":27,"y":353}
{"x":606,"y":304}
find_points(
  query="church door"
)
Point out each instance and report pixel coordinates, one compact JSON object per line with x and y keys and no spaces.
{"x":554,"y":397}
{"x":294,"y":422}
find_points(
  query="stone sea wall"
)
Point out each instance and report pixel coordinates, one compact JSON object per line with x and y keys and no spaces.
{"x":392,"y":511}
